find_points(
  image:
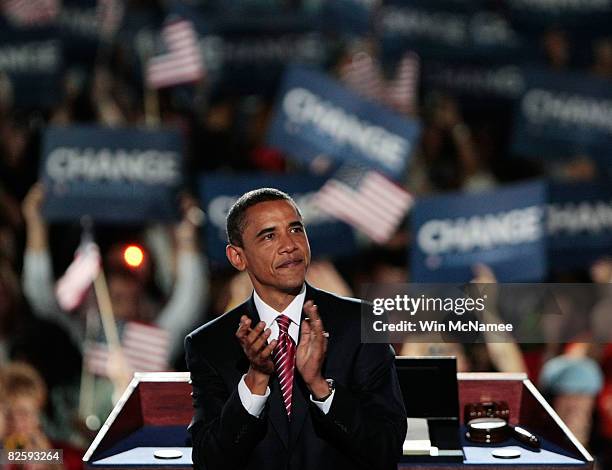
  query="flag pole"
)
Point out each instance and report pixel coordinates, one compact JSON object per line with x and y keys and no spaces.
{"x":87,"y":385}
{"x":150,"y":97}
{"x":106,"y":312}
{"x":87,"y":388}
{"x":102,"y":296}
{"x":151,"y":106}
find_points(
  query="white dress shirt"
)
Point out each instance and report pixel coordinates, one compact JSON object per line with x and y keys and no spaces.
{"x":254,"y":404}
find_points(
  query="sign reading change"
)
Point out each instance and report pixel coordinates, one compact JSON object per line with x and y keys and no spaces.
{"x":504,"y":229}
{"x":315,"y":115}
{"x":112,"y":175}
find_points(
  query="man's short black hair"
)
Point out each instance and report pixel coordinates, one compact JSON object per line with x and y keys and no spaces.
{"x":236,"y":216}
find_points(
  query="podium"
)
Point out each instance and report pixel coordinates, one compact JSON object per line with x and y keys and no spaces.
{"x":152,"y":414}
{"x":154,"y":411}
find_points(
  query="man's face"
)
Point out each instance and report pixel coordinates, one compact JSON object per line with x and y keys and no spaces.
{"x":275,"y":250}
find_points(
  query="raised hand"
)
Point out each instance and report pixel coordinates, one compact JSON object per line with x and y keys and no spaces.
{"x":36,"y":228}
{"x":254,"y":342}
{"x":31,"y":206}
{"x":311,"y":351}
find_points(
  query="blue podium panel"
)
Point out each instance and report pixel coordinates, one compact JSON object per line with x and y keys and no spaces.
{"x":482,"y":455}
{"x":140,"y":456}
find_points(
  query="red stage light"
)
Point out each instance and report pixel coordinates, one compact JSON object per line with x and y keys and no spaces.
{"x":133,"y":256}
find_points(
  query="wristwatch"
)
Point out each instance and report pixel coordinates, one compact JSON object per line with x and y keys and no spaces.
{"x":332,"y":386}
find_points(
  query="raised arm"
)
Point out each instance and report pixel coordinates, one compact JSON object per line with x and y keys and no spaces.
{"x":190,"y":293}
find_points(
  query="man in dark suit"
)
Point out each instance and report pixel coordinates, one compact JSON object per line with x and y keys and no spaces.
{"x":283,"y":380}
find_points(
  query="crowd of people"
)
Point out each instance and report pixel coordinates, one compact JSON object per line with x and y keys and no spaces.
{"x":43,"y":347}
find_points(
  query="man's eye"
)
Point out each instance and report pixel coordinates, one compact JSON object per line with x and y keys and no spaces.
{"x":297,"y":229}
{"x":268,"y":236}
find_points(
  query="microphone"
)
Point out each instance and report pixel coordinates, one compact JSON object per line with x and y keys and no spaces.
{"x":524,"y":436}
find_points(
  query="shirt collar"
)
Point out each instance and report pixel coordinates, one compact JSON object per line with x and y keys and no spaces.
{"x":294,"y":310}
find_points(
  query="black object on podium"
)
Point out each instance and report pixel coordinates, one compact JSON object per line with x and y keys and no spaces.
{"x":430,"y":391}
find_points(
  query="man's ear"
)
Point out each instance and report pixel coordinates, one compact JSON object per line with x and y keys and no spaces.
{"x":235,"y":255}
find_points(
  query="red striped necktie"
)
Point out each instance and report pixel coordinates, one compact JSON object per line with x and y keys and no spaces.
{"x":284,"y":360}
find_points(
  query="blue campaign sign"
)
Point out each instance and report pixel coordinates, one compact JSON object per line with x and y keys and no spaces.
{"x":448,"y":29}
{"x":32,"y":59}
{"x":563,"y":115}
{"x":113,"y":175}
{"x":250,"y":54}
{"x":315,"y":115}
{"x":482,"y":84}
{"x":79,"y":31}
{"x":539,"y":15}
{"x":349,"y":17}
{"x":504,"y":229}
{"x":218,"y":192}
{"x":579,"y":223}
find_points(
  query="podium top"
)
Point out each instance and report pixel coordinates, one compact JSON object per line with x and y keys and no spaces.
{"x":151,"y":399}
{"x":156,"y":408}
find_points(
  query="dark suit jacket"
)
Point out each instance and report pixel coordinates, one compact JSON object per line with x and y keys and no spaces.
{"x":365,"y":426}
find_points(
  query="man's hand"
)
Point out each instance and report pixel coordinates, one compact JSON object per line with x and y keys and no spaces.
{"x":311,"y":351}
{"x":254,"y":342}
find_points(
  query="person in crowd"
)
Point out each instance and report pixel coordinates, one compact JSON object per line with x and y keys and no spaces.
{"x":602,"y":435}
{"x":572,"y":381}
{"x":556,"y":48}
{"x":25,"y":337}
{"x":3,"y":408}
{"x":180,"y":312}
{"x":125,"y":289}
{"x":600,"y":318}
{"x":308,"y":396}
{"x":24,"y":397}
{"x":491,"y":354}
{"x":602,"y":58}
{"x":448,"y":158}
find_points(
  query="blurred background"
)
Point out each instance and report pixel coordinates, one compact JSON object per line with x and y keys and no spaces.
{"x":425,"y":141}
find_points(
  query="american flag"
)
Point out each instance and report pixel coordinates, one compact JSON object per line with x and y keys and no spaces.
{"x":183,"y":61}
{"x":145,"y":347}
{"x":402,"y":92}
{"x":109,"y":14}
{"x":364,"y":76}
{"x":365,"y":199}
{"x":31,"y":12}
{"x":71,"y":288}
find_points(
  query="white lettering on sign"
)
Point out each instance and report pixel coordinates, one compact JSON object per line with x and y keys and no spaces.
{"x":30,"y":57}
{"x":568,"y":109}
{"x":440,"y":26}
{"x":481,"y":232}
{"x":220,"y":206}
{"x":582,"y":217}
{"x":66,"y":164}
{"x":374,"y":142}
{"x":557,"y":6}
